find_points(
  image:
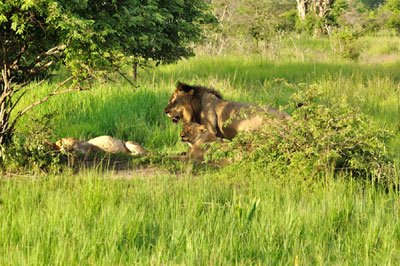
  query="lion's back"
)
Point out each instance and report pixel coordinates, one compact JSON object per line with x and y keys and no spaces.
{"x":108,"y":144}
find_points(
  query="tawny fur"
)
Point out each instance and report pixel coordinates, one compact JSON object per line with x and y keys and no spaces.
{"x":197,"y":136}
{"x":103,"y":143}
{"x":206,"y":107}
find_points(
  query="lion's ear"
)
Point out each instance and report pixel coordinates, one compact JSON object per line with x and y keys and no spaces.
{"x":58,"y":145}
{"x":202,"y":128}
{"x":185,"y":88}
{"x":180,"y":86}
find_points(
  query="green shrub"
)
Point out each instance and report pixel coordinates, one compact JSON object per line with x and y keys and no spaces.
{"x":29,"y":150}
{"x":347,"y":43}
{"x":316,"y":140}
{"x":394,"y":21}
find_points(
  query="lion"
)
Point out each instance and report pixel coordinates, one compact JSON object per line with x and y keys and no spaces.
{"x":198,"y":138}
{"x":221,"y":117}
{"x":103,"y":143}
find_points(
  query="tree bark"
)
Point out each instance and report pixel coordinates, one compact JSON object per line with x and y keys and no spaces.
{"x":319,"y":7}
{"x":302,"y":7}
{"x":322,"y":7}
{"x":13,"y":83}
{"x":5,"y":90}
{"x":134,"y":71}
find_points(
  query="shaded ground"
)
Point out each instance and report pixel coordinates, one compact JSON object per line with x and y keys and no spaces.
{"x":138,"y":172}
{"x":117,"y":165}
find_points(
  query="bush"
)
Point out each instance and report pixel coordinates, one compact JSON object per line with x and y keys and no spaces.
{"x":347,"y":43}
{"x":394,"y":21}
{"x":317,"y":139}
{"x":29,"y":150}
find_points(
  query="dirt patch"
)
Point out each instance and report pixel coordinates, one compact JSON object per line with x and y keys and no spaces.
{"x":110,"y":166}
{"x":381,"y":58}
{"x":138,"y":172}
{"x":117,"y":166}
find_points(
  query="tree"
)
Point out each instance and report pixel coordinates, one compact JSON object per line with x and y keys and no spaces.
{"x":243,"y":20}
{"x":372,"y":4}
{"x":262,"y":19}
{"x":89,"y":38}
{"x":393,"y":6}
{"x":316,"y":15}
{"x":319,"y":8}
{"x":302,"y":8}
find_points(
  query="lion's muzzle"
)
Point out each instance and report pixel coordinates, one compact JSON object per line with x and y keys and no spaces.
{"x":176,"y":119}
{"x":184,"y":138}
{"x":167,"y":110}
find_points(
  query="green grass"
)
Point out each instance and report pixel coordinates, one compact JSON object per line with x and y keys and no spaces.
{"x":129,"y":113}
{"x":213,"y":220}
{"x":227,"y":216}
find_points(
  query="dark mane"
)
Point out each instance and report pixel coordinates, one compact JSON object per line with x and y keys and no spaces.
{"x":199,"y":90}
{"x":208,"y":90}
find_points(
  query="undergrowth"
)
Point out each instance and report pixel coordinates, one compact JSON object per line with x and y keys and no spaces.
{"x":28,"y":151}
{"x":317,"y":139}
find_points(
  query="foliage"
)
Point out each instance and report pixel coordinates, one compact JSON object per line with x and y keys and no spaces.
{"x":371,"y":4}
{"x":386,"y":15}
{"x":90,"y":38}
{"x":394,"y":19}
{"x":347,"y":43}
{"x":254,"y":21}
{"x":393,"y":4}
{"x":265,"y":18}
{"x":317,"y":14}
{"x":342,"y":14}
{"x":29,"y":151}
{"x":316,"y":140}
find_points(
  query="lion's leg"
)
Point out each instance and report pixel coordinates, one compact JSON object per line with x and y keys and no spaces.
{"x":209,"y":120}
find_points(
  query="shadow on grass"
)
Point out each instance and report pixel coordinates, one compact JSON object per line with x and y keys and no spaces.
{"x":126,"y":166}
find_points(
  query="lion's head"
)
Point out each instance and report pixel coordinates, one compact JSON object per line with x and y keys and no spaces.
{"x":180,"y":105}
{"x":193,"y":132}
{"x":66,"y":144}
{"x":185,"y":103}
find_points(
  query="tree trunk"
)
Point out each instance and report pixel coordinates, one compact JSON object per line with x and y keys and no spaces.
{"x":322,"y":7}
{"x":319,"y":7}
{"x":5,"y":89}
{"x":302,"y":6}
{"x":134,"y":71}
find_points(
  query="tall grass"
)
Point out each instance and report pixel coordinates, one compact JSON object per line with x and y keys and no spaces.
{"x":213,"y":220}
{"x":120,"y":110}
{"x":226,"y":216}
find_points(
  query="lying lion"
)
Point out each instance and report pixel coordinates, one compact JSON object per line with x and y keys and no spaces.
{"x":197,"y":136}
{"x":206,"y":107}
{"x":103,"y":143}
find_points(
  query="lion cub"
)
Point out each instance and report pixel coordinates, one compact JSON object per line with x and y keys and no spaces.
{"x":196,"y":136}
{"x":102,"y":143}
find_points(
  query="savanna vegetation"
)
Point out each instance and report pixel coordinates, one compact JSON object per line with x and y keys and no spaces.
{"x":319,"y":188}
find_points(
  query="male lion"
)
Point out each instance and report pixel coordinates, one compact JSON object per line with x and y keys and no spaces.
{"x":103,"y":143}
{"x":206,"y":107}
{"x":198,"y":137}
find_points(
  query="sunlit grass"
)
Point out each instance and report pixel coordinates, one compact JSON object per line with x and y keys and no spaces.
{"x":220,"y":217}
{"x":130,"y":113}
{"x":215,"y":219}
